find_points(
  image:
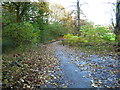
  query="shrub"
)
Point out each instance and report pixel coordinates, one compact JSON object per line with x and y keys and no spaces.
{"x":21,"y":33}
{"x":73,"y":40}
{"x":108,"y":37}
{"x":91,"y":36}
{"x":68,"y":36}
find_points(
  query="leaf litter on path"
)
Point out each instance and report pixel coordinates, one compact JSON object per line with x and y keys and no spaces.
{"x":102,"y":69}
{"x":40,"y":68}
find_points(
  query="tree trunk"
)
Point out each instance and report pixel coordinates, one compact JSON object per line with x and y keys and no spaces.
{"x":18,"y":18}
{"x":78,"y":17}
{"x":117,"y":28}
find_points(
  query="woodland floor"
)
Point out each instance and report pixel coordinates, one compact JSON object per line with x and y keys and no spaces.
{"x":54,"y":65}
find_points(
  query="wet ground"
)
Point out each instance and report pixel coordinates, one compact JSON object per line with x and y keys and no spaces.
{"x":81,"y":70}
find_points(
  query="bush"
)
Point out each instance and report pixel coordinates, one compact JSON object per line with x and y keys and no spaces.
{"x":53,"y":31}
{"x":68,"y":36}
{"x":108,"y":37}
{"x":7,"y":43}
{"x":20,"y":33}
{"x":91,"y":36}
{"x":73,"y":40}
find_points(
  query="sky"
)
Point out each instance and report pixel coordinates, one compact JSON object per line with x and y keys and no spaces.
{"x":97,"y":11}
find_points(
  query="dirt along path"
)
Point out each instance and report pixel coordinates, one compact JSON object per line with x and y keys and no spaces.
{"x":81,"y":70}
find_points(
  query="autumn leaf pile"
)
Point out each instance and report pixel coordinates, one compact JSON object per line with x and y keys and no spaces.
{"x":31,"y":69}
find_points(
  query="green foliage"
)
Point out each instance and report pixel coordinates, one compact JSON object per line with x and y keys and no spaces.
{"x":71,"y":39}
{"x":21,"y":33}
{"x":23,"y":22}
{"x":108,"y":37}
{"x":68,"y":36}
{"x":91,"y":36}
{"x":7,"y":43}
{"x":7,"y":17}
{"x":28,"y":22}
{"x":106,"y":34}
{"x":97,"y":35}
{"x":53,"y":31}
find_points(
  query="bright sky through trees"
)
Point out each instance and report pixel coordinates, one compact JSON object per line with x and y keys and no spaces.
{"x":97,"y":11}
